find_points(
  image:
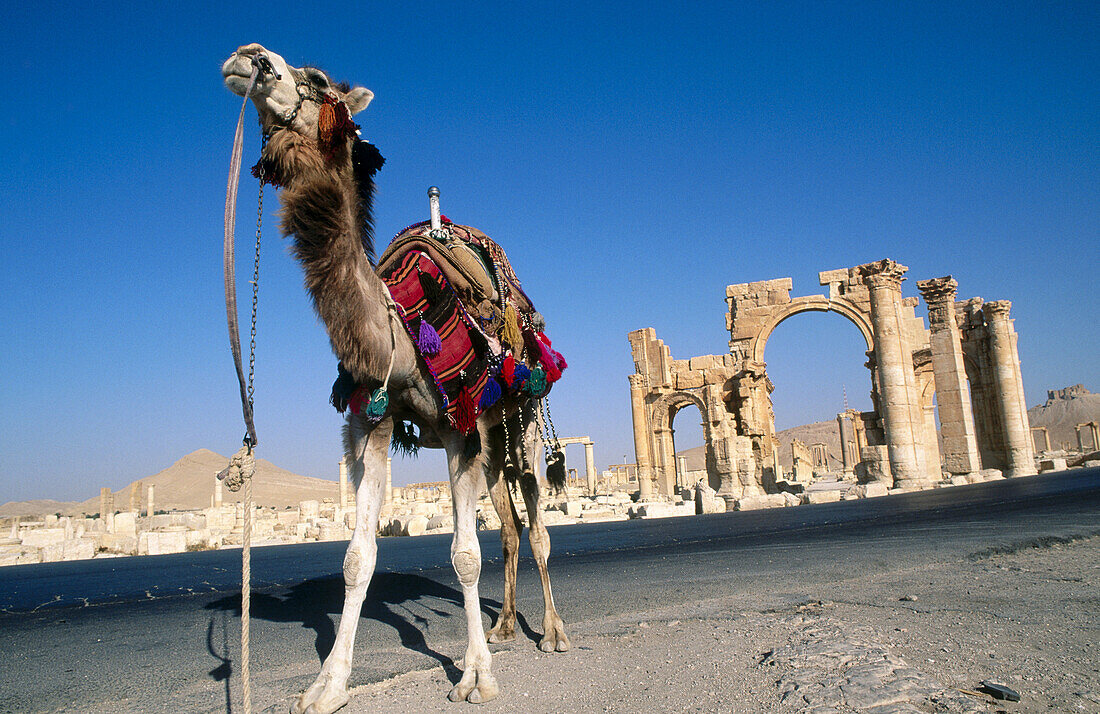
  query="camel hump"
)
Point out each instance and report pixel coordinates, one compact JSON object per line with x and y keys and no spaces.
{"x":473,"y":263}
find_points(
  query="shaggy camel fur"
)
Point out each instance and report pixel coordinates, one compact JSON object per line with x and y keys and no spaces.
{"x":326,"y":212}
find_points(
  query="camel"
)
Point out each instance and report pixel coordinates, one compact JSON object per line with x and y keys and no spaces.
{"x":327,"y":215}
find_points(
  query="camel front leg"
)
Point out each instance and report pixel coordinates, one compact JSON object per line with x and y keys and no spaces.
{"x":366,"y":451}
{"x":467,"y":476}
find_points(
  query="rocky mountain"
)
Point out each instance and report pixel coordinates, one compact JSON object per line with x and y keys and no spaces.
{"x":1063,"y":410}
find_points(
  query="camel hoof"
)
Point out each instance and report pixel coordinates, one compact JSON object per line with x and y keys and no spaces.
{"x":500,"y":636}
{"x":325,"y":702}
{"x":475,"y":688}
{"x":555,"y":640}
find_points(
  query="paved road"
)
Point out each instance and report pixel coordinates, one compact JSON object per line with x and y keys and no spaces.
{"x":160,"y":632}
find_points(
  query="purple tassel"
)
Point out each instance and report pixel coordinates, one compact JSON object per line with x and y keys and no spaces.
{"x":489,"y":395}
{"x":427,"y":340}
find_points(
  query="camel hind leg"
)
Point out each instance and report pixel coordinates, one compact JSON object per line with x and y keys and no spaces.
{"x":366,"y":450}
{"x":511,"y":526}
{"x":554,"y":638}
{"x":553,"y":628}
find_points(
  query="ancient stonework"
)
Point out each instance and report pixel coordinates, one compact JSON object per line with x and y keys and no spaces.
{"x":968,"y":358}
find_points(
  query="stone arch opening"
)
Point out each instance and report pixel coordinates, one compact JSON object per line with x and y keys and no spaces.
{"x":817,"y":361}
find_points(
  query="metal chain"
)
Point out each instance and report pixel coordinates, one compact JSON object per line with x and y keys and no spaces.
{"x":256,"y":284}
{"x":550,"y":421}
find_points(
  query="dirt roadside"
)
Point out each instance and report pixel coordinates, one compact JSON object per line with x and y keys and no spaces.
{"x":911,"y":640}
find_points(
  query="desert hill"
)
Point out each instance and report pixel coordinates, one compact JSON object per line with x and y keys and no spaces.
{"x":188,"y":484}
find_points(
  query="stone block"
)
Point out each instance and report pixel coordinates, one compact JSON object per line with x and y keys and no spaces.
{"x":443,"y":523}
{"x":753,"y":503}
{"x":653,"y":510}
{"x":959,"y":480}
{"x":42,"y":537}
{"x":572,"y":508}
{"x":813,"y":497}
{"x":689,"y":380}
{"x":162,"y":542}
{"x":991,"y":474}
{"x":791,"y":498}
{"x":310,"y":510}
{"x":1052,"y":465}
{"x":126,"y":524}
{"x":330,"y":531}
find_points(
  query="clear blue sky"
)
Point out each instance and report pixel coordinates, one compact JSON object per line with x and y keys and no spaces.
{"x":633,"y":158}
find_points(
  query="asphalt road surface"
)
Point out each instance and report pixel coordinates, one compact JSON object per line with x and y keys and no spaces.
{"x":146,"y":634}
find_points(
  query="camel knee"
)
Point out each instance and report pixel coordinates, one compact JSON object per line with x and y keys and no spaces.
{"x":354,"y":570}
{"x":467,"y":565}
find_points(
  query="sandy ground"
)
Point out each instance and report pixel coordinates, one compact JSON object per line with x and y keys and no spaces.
{"x":912,"y":640}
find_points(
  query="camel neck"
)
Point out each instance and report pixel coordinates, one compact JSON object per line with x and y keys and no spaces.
{"x":323,"y":213}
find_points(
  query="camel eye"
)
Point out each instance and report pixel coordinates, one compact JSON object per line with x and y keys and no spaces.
{"x":316,"y":77}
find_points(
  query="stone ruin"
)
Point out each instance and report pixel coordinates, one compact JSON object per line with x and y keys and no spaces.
{"x":967,"y":358}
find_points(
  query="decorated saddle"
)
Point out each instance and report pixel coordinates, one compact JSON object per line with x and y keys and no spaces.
{"x":465,"y":310}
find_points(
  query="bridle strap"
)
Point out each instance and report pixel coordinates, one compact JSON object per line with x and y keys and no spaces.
{"x":229,"y":262}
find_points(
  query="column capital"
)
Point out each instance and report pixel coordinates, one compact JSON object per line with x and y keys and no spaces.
{"x":637,"y":381}
{"x":996,"y":310}
{"x":938,"y":290}
{"x":885,"y":273}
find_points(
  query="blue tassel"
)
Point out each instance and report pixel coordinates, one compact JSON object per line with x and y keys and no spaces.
{"x":521,"y":374}
{"x":490,"y":394}
{"x":427,"y":339}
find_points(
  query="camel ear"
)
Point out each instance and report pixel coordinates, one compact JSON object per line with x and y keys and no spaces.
{"x":358,"y":99}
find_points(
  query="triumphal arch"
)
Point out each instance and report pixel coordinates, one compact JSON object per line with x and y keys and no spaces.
{"x":966,"y":358}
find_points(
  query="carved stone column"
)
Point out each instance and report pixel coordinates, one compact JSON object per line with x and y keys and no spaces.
{"x":1019,"y":453}
{"x":149,"y":505}
{"x":960,"y":442}
{"x":894,"y":363}
{"x":219,"y":498}
{"x":844,"y":429}
{"x":642,"y":456}
{"x":387,"y":494}
{"x":590,"y":467}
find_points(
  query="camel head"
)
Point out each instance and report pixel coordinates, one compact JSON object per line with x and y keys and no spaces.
{"x":288,"y":97}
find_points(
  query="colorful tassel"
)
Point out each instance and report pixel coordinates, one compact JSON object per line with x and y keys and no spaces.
{"x":376,"y":408}
{"x":536,"y":384}
{"x":432,"y":291}
{"x":546,"y":359}
{"x":508,"y":370}
{"x":511,"y":332}
{"x":326,"y":122}
{"x":555,"y":470}
{"x":465,"y":415}
{"x":355,"y":402}
{"x":490,"y":394}
{"x":531,"y":346}
{"x":520,"y":374}
{"x":427,"y":339}
{"x":472,"y":447}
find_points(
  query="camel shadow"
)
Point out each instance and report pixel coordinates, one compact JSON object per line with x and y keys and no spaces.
{"x":393,"y":599}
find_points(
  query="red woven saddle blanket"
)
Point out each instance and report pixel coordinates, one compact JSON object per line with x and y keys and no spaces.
{"x":474,"y":327}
